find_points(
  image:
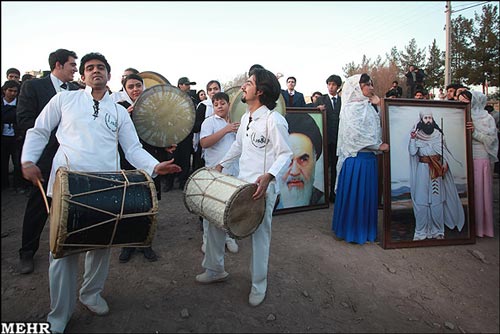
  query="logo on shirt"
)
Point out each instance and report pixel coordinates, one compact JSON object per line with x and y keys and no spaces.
{"x":258,"y":140}
{"x":110,"y":122}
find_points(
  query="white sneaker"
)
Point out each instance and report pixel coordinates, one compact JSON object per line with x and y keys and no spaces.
{"x":255,"y":299}
{"x":231,"y":245}
{"x":211,"y":277}
{"x":101,"y":308}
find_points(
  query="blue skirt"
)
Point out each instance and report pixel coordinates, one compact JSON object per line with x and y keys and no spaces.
{"x":355,"y":213}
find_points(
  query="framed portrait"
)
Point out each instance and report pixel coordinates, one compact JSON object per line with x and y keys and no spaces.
{"x":428,"y":174}
{"x":303,"y":181}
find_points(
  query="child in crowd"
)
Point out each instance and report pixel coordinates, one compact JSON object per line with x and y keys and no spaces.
{"x":216,"y":137}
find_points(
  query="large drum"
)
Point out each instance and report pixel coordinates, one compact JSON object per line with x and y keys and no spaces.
{"x":151,"y":79}
{"x":225,"y":201}
{"x":101,"y":210}
{"x":163,"y":115}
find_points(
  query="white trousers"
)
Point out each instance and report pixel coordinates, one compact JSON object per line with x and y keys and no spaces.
{"x":261,"y":241}
{"x":63,"y":277}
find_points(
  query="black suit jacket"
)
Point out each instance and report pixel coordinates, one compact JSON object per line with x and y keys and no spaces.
{"x":35,"y":94}
{"x":332,"y":116}
{"x":297,"y":100}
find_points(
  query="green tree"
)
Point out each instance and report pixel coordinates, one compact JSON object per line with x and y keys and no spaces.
{"x":412,"y":55}
{"x":461,"y":48}
{"x":434,"y":68}
{"x":485,"y":61}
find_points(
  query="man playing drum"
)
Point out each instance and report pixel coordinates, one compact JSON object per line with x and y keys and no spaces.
{"x":104,"y":124}
{"x":262,"y":149}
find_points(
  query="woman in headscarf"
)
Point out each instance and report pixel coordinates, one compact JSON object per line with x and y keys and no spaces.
{"x":484,"y":154}
{"x":360,"y":138}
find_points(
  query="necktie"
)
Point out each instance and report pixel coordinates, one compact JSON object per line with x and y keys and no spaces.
{"x":64,"y":86}
{"x":290,"y":100}
{"x":334,"y":99}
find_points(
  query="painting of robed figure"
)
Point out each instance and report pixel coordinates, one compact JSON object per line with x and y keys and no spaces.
{"x":427,"y":181}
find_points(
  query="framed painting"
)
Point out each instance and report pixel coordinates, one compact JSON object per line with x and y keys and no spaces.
{"x":428,"y":174}
{"x":303,"y":181}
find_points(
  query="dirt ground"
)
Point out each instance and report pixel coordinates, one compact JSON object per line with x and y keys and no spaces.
{"x":316,"y":284}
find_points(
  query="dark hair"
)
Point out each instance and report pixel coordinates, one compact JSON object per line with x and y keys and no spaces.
{"x":61,"y":56}
{"x":91,"y":56}
{"x":305,"y":124}
{"x":132,"y":76}
{"x":213,"y":81}
{"x":254,"y":67}
{"x":467,"y":94}
{"x":27,"y":77}
{"x":316,"y":93}
{"x":13,"y":70}
{"x":334,"y":78}
{"x":131,"y":69}
{"x":221,"y":96}
{"x":489,"y":108}
{"x":396,"y":82}
{"x":10,"y":84}
{"x":420,"y":125}
{"x":365,"y":78}
{"x":268,"y":84}
{"x":198,"y":92}
{"x":294,"y":79}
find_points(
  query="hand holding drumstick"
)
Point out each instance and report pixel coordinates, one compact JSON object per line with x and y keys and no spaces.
{"x":32,"y":173}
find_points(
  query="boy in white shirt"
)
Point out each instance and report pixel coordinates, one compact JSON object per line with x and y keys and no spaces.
{"x":216,"y":137}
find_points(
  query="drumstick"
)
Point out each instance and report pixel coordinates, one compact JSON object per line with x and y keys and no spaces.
{"x":43,"y":195}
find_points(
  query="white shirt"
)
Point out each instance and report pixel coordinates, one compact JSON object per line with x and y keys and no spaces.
{"x":255,"y":156}
{"x":57,"y":83}
{"x":121,"y":96}
{"x":8,"y":129}
{"x":86,"y":144}
{"x":216,"y":152}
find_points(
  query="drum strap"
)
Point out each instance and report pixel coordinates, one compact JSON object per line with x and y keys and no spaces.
{"x":117,"y":157}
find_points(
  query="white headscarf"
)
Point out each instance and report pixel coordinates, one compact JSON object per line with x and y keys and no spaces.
{"x":484,"y":123}
{"x":359,"y":125}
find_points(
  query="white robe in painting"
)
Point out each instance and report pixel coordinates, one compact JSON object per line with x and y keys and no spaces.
{"x":435,"y":201}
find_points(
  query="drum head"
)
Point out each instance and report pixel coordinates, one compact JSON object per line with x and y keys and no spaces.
{"x":152,"y":79}
{"x":238,"y":108}
{"x":163,"y":115}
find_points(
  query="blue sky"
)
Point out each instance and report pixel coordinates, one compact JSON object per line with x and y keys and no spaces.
{"x":216,"y":40}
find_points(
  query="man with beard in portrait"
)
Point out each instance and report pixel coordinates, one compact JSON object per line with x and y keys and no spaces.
{"x":434,"y":195}
{"x":297,"y":182}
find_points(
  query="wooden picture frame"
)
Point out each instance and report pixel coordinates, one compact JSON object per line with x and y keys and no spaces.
{"x":408,"y":184}
{"x":296,"y":193}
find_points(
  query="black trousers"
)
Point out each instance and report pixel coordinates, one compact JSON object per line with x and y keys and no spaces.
{"x":332,"y":164}
{"x":35,"y":214}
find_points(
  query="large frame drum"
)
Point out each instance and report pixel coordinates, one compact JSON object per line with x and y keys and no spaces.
{"x":225,"y":201}
{"x":100,"y":210}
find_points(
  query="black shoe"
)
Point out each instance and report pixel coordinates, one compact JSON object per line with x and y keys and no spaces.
{"x":126,"y":254}
{"x":150,"y":254}
{"x":27,"y":265}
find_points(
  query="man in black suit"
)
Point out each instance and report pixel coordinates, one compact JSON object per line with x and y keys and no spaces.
{"x":35,"y":94}
{"x":331,"y":103}
{"x":291,"y":96}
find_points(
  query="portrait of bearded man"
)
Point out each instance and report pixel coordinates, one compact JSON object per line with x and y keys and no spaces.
{"x":297,"y":182}
{"x":435,"y":198}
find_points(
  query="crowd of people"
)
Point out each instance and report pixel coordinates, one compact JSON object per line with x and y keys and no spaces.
{"x":52,"y":122}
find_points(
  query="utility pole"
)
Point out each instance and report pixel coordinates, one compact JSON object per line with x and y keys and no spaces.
{"x":447,"y":60}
